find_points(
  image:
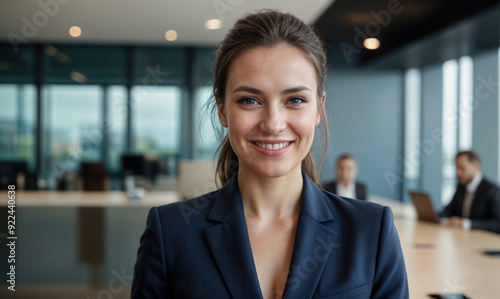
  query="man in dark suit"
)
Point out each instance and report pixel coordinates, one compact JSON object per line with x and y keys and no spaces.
{"x":476,"y":203}
{"x":345,"y":184}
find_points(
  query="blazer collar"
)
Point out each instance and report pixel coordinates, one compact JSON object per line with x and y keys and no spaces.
{"x":230,"y":245}
{"x":228,"y":201}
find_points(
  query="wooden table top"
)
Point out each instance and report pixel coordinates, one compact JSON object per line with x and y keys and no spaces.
{"x":446,"y":260}
{"x":89,"y":199}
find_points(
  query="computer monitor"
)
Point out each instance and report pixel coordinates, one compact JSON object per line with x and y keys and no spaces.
{"x":9,"y":171}
{"x":134,"y":164}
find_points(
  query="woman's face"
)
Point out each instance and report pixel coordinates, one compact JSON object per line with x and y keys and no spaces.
{"x":271,"y":109}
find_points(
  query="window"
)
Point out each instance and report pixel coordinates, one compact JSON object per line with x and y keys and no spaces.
{"x":73,"y":127}
{"x":85,"y":95}
{"x":18,"y":105}
{"x":116,"y":119}
{"x":17,"y":122}
{"x":205,"y":139}
{"x":449,"y":129}
{"x":465,"y":105}
{"x":156,"y":120}
{"x":412,"y":127}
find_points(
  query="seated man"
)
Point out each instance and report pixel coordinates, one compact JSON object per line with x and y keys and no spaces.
{"x":476,"y":203}
{"x":345,"y":184}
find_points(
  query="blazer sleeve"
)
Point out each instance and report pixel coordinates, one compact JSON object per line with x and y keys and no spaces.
{"x":150,"y":279}
{"x":390,"y":279}
{"x":451,"y":208}
{"x":492,"y":223}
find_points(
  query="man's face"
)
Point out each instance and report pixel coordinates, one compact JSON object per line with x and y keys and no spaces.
{"x":466,"y":170}
{"x":346,"y":171}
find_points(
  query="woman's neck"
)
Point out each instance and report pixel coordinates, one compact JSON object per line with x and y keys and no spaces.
{"x":270,"y":198}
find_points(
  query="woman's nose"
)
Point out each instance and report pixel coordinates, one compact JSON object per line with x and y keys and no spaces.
{"x":273,"y":120}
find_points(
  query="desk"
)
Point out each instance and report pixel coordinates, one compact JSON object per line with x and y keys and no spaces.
{"x":91,"y":217}
{"x":101,"y":199}
{"x":440,"y":259}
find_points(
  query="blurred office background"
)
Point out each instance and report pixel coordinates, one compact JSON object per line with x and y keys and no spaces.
{"x":124,"y":94}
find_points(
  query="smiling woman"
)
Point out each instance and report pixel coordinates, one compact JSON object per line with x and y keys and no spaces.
{"x":270,"y":231}
{"x":270,"y":101}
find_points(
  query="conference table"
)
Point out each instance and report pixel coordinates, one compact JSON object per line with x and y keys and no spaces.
{"x":91,"y":217}
{"x":438,"y":259}
{"x":445,"y":260}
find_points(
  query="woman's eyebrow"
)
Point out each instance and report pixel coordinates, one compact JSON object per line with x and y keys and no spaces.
{"x":248,"y":89}
{"x":295,"y":89}
{"x":260,"y":92}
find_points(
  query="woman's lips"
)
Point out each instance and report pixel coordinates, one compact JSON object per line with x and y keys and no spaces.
{"x":272,"y":152}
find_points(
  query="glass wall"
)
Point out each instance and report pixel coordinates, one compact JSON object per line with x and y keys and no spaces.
{"x":17,"y":122}
{"x":115,"y":125}
{"x":73,"y":133}
{"x":457,"y":118}
{"x":412,"y":115}
{"x":449,"y":128}
{"x":456,"y":125}
{"x":465,"y":107}
{"x":206,"y":140}
{"x":18,"y":105}
{"x":98,"y":103}
{"x":157,"y":120}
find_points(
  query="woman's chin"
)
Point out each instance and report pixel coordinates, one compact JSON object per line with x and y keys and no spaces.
{"x":271,"y":171}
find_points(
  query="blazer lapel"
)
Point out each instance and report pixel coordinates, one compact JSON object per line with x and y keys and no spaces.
{"x":230,"y":244}
{"x":314,"y":242}
{"x":478,"y":195}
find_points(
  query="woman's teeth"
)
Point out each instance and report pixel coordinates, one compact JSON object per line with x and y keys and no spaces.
{"x":276,"y":146}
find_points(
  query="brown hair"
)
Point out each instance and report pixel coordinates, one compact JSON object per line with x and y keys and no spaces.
{"x":472,"y":156}
{"x":266,"y":28}
{"x":344,"y":157}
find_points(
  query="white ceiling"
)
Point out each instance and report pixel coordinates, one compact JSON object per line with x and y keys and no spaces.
{"x":137,"y":21}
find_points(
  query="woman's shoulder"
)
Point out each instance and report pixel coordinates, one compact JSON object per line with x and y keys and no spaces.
{"x":354,"y":208}
{"x":186,"y":210}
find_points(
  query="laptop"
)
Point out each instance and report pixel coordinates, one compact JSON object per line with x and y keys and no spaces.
{"x":423,"y":204}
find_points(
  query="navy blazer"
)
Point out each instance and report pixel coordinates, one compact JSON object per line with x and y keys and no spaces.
{"x":199,"y":248}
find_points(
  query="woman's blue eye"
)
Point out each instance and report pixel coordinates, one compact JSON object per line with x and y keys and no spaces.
{"x":248,"y":101}
{"x":296,"y":101}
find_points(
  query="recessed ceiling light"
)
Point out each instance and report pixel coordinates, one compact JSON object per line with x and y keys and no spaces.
{"x":78,"y":77}
{"x":171,"y":35}
{"x":213,"y":24}
{"x":75,"y":31}
{"x":371,"y":43}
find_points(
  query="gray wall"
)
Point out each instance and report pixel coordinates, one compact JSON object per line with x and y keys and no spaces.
{"x":431,"y":137}
{"x":366,"y":120}
{"x":485,"y":126}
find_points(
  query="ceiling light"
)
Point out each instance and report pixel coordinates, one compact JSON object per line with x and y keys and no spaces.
{"x":51,"y":50}
{"x":75,"y":31}
{"x":371,"y":43}
{"x":78,"y":77}
{"x":171,"y":35}
{"x":213,"y":24}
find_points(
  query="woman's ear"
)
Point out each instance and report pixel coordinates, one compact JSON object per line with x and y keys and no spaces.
{"x":322,"y":107}
{"x":221,"y":112}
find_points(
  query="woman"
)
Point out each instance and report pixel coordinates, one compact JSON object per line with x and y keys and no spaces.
{"x":270,"y":232}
